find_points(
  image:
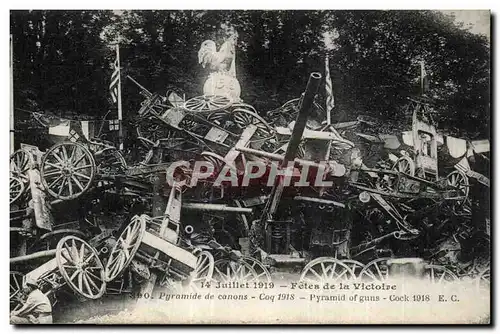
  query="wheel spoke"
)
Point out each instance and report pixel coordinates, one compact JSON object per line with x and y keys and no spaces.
{"x":70,"y":186}
{"x":54,"y":154}
{"x":55,"y":172}
{"x":87,"y":285}
{"x":79,"y":185}
{"x":370,"y":274}
{"x":89,"y":279}
{"x":89,"y":273}
{"x":324,"y":271}
{"x":442,"y":277}
{"x":378,"y":271}
{"x":55,"y":181}
{"x":61,"y":187}
{"x":66,"y":254}
{"x":74,"y":275}
{"x":83,"y":167}
{"x":342,"y":273}
{"x":333,"y":268}
{"x":50,"y":164}
{"x":69,"y":251}
{"x":80,"y":281}
{"x":316,"y":274}
{"x":82,"y":175}
{"x":83,"y":156}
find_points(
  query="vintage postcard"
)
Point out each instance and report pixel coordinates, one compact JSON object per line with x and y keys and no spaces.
{"x":250,"y":167}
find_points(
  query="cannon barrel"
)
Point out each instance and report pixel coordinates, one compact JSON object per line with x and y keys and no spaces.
{"x":214,"y":207}
{"x":304,"y":111}
{"x":141,"y":87}
{"x":279,"y":157}
{"x":293,"y":145}
{"x":33,"y":256}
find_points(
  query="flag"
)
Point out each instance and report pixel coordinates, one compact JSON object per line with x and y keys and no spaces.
{"x":76,"y":133}
{"x":330,"y":101}
{"x":114,"y":125}
{"x":115,"y":79}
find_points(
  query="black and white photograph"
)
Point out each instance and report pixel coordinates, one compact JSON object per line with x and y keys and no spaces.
{"x":250,"y":166}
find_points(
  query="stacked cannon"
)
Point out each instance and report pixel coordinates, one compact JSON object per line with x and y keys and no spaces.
{"x":88,"y":220}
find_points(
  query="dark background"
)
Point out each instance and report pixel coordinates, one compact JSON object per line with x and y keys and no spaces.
{"x":62,"y":60}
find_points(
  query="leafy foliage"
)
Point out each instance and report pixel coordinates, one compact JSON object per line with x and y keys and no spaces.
{"x":63,"y":59}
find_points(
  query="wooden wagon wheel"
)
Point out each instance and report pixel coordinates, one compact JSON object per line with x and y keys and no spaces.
{"x":152,"y":129}
{"x":50,"y":240}
{"x":125,"y":248}
{"x":110,"y":161}
{"x":460,"y":183}
{"x":438,"y":274}
{"x":204,"y":270}
{"x":263,"y":275}
{"x":326,"y":270}
{"x":20,"y":162}
{"x":405,"y":165}
{"x":355,"y":266}
{"x":293,"y":104}
{"x":218,"y":117}
{"x":216,"y":160}
{"x":483,"y":279}
{"x":376,"y":270}
{"x":244,"y":106}
{"x":207,"y":103}
{"x":16,"y":188}
{"x":244,"y":117}
{"x":67,"y":170}
{"x":16,"y":288}
{"x":80,"y":266}
{"x":226,"y":271}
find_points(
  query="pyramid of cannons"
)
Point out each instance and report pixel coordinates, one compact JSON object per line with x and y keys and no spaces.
{"x":88,"y":222}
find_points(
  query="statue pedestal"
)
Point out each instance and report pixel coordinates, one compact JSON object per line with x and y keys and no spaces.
{"x":224,"y":85}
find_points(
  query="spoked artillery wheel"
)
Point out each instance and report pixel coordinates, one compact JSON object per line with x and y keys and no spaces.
{"x":80,"y":267}
{"x":403,"y":165}
{"x":244,"y":117}
{"x":216,"y":160}
{"x":16,"y":188}
{"x":110,"y":161}
{"x":326,"y":270}
{"x":67,"y":170}
{"x":226,"y":271}
{"x":204,"y":270}
{"x":207,"y":103}
{"x":263,"y":275}
{"x":125,"y":248}
{"x":483,"y":279}
{"x":436,"y":274}
{"x":149,"y":130}
{"x":16,"y":289}
{"x":355,"y":266}
{"x":459,"y":182}
{"x":376,"y":270}
{"x":50,"y":240}
{"x":20,"y":164}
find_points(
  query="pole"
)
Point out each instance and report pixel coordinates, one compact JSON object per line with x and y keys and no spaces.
{"x":293,"y":144}
{"x":12,"y":125}
{"x":120,"y":114}
{"x":33,"y":256}
{"x":329,"y":92}
{"x":422,"y":74}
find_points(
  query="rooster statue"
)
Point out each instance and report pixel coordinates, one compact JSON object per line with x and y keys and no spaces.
{"x":222,"y":79}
